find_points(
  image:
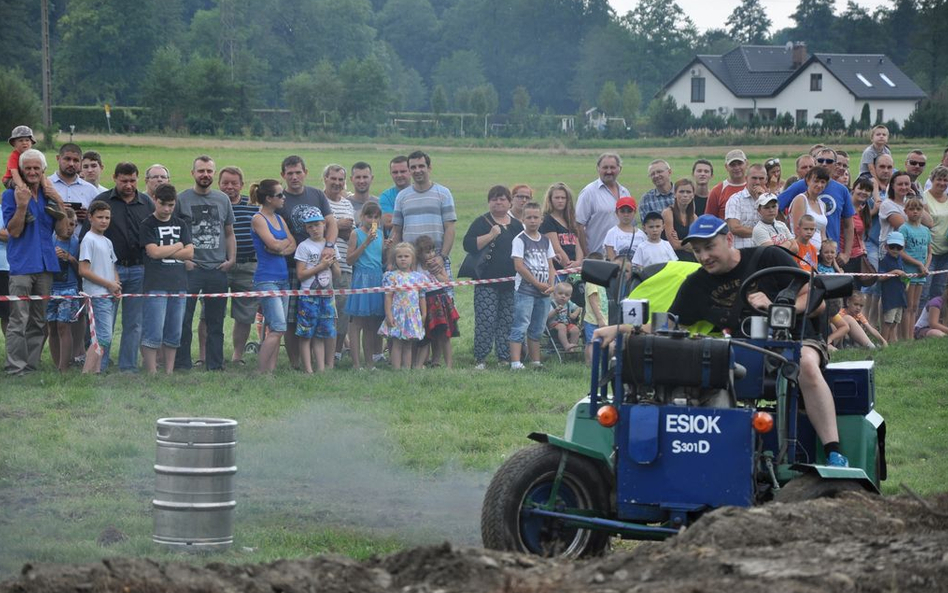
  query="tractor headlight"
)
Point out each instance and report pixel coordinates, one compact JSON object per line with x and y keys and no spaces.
{"x":782,"y":316}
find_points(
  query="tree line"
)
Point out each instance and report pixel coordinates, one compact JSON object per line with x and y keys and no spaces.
{"x":202,"y":65}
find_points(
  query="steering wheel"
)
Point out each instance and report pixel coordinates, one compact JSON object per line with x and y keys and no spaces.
{"x":801,"y":277}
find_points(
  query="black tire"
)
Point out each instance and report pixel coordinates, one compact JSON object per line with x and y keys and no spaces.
{"x":811,"y":486}
{"x":526,"y":477}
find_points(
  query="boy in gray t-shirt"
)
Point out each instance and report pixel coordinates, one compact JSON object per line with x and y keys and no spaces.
{"x":97,"y":268}
{"x":533,"y":260}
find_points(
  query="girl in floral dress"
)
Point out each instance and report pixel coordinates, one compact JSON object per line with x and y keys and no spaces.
{"x":404,"y":309}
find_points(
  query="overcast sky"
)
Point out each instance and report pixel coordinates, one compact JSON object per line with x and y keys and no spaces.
{"x":710,"y":15}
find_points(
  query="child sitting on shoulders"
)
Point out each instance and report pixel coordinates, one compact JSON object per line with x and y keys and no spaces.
{"x":654,"y":250}
{"x":563,"y":317}
{"x":441,"y":320}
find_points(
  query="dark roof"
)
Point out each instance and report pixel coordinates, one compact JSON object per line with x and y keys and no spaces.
{"x":863,"y":75}
{"x":764,"y":70}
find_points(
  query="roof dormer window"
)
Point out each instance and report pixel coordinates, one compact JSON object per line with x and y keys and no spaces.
{"x":864,"y":80}
{"x":887,"y":80}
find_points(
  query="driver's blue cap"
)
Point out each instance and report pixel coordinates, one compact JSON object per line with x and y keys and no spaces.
{"x":705,"y":227}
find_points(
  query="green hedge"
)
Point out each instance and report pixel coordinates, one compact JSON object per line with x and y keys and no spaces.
{"x":92,"y":119}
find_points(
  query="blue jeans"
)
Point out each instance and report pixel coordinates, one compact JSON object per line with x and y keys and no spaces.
{"x":161,"y":325}
{"x":529,"y":316}
{"x":104,"y":311}
{"x":274,"y":308}
{"x":201,"y":280}
{"x":132,"y":279}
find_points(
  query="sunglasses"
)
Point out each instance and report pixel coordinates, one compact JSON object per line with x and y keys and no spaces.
{"x":918,"y":163}
{"x":896,"y":247}
{"x":772,"y":162}
{"x":826,"y":161}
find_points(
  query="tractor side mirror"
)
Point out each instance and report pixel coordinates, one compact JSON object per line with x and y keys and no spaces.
{"x":599,"y":272}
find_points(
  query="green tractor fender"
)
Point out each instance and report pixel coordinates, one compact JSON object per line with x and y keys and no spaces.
{"x":584,"y":436}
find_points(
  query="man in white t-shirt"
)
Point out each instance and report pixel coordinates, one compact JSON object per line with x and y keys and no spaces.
{"x":596,"y":204}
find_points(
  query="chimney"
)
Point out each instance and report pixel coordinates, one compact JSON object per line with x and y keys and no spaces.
{"x":799,"y":54}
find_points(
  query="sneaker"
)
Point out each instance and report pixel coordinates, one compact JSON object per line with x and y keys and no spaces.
{"x":52,"y":208}
{"x":517,"y":366}
{"x":338,"y":356}
{"x":835,"y":459}
{"x":536,"y":365}
{"x":480,"y":367}
{"x":378,"y":358}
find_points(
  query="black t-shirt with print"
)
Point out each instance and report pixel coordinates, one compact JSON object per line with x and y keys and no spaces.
{"x":165,"y":274}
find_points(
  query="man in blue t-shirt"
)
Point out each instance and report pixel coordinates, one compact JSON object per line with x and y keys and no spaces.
{"x":398,"y":169}
{"x":839,"y":205}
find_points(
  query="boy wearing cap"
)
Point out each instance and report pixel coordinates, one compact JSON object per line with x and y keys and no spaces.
{"x":623,"y":239}
{"x":316,"y":314}
{"x":769,"y":230}
{"x":655,"y":250}
{"x":894,"y":299}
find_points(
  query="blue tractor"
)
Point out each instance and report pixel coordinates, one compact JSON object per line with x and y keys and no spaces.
{"x":691,"y":424}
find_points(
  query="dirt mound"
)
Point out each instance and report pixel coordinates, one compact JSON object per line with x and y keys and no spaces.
{"x":855,"y":542}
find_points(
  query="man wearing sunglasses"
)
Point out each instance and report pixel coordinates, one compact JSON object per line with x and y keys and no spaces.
{"x":914,"y":165}
{"x":839,"y":206}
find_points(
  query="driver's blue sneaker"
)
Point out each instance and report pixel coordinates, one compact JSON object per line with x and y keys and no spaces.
{"x":835,"y":459}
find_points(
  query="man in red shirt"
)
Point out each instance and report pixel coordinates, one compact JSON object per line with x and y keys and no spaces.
{"x":736,"y":163}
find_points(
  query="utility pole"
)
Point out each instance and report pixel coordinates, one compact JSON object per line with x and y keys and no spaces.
{"x":228,"y":42}
{"x":47,"y":71}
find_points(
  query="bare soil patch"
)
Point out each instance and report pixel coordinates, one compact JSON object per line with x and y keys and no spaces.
{"x":852,"y":543}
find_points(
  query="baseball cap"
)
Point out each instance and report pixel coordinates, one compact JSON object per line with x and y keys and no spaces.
{"x":313,"y":215}
{"x":735,"y":155}
{"x":895,"y":238}
{"x":705,"y":227}
{"x":765,"y":199}
{"x":627,"y":201}
{"x":21,"y":132}
{"x":653,"y":215}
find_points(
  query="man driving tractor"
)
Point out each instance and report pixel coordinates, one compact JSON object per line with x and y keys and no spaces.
{"x":711,"y":294}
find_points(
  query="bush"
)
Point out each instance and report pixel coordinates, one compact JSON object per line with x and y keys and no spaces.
{"x":19,"y":103}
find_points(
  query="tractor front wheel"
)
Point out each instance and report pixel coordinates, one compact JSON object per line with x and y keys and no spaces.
{"x":526,"y":481}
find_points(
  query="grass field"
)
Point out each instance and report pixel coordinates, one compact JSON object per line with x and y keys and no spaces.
{"x":350,"y":463}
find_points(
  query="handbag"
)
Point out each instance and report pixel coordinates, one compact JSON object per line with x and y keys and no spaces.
{"x":866,"y":268}
{"x":475,"y":265}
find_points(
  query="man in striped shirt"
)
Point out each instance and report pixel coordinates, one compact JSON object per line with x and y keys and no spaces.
{"x":243,"y":310}
{"x":425,"y":208}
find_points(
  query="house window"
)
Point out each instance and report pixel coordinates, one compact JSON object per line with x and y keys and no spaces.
{"x":697,"y":89}
{"x":816,"y":82}
{"x":879,"y":116}
{"x":801,"y":117}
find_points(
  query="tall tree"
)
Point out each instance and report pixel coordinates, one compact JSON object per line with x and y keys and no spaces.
{"x":857,"y":32}
{"x":814,"y":19}
{"x":631,"y":101}
{"x":402,"y":23}
{"x":609,"y":100}
{"x":748,"y":23}
{"x":902,"y":23}
{"x":926,"y":61}
{"x":662,"y":37}
{"x":164,"y":90}
{"x":461,"y":70}
{"x":605,"y":54}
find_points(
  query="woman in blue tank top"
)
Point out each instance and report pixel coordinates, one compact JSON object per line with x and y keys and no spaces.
{"x":272,"y":243}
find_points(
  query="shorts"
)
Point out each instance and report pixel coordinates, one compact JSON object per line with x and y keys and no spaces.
{"x":240,"y":279}
{"x":316,"y":317}
{"x":821,"y":348}
{"x":588,"y":329}
{"x":273,"y":307}
{"x":569,"y":326}
{"x":63,"y":310}
{"x":922,"y":332}
{"x":892,"y":316}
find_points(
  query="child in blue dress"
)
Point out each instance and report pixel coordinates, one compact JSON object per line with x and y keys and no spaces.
{"x":405,"y":308}
{"x":917,"y":256}
{"x":366,"y":310}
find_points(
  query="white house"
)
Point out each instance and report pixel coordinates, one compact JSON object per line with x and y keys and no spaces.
{"x":772,"y":80}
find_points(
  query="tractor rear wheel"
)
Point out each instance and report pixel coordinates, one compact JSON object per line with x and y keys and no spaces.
{"x":810,"y":486}
{"x":525,"y":481}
